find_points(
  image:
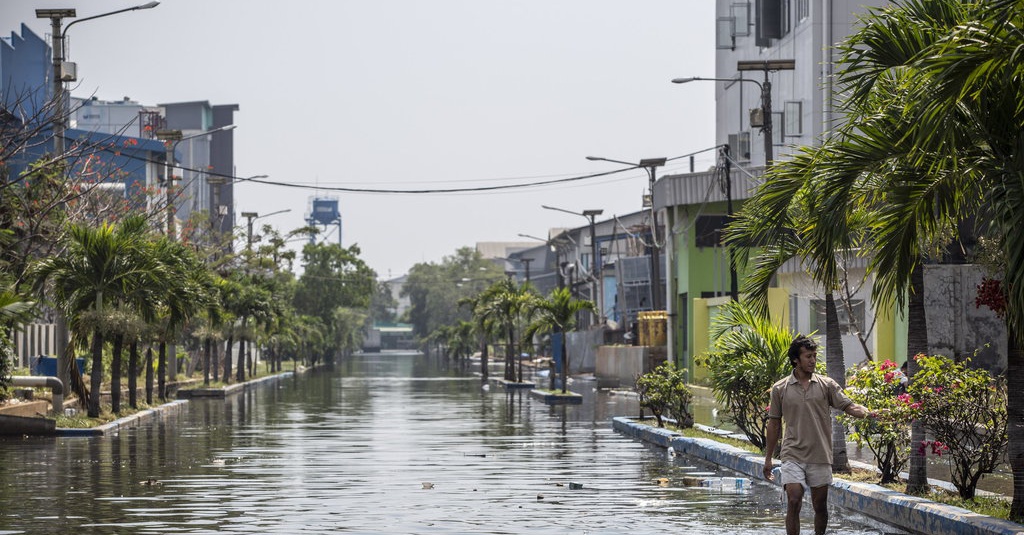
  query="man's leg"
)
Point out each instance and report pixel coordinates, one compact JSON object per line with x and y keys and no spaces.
{"x":819,"y":500}
{"x":794,"y":499}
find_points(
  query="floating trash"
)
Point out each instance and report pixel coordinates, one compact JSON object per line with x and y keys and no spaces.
{"x":662,"y":481}
{"x":726,"y":483}
{"x":575,"y":486}
{"x":427,"y":485}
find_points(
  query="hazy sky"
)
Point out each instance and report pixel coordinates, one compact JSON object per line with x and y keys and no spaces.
{"x":418,"y":94}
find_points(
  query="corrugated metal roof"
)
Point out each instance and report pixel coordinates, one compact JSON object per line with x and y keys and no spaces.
{"x":706,"y":186}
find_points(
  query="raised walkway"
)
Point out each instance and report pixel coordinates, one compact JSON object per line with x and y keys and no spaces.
{"x":911,"y":513}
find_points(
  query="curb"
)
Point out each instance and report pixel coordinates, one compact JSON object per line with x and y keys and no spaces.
{"x":911,"y":513}
{"x":557,"y":399}
{"x":126,"y":422}
{"x":220,"y":393}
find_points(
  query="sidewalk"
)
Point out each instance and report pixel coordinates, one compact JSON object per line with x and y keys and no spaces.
{"x":910,"y":513}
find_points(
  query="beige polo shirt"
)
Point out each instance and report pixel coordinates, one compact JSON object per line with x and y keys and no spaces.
{"x":806,"y":417}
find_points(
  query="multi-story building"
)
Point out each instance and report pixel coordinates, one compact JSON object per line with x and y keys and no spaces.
{"x":773,"y":92}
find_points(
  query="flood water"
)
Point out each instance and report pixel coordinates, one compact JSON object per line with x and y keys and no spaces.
{"x":382,"y":444}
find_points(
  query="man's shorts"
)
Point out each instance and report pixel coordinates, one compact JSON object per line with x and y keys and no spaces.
{"x":812,"y":475}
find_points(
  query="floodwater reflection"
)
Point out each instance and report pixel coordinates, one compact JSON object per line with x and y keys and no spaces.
{"x":385,"y":443}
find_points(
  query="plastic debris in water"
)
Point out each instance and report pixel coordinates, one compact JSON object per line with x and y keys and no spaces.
{"x":427,"y":485}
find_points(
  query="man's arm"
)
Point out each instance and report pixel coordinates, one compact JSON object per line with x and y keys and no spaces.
{"x":859,"y":411}
{"x":772,"y":430}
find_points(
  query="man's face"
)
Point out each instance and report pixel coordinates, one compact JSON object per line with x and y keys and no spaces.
{"x":807,"y":361}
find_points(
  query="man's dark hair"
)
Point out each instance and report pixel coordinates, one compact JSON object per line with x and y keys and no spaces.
{"x":800,"y":342}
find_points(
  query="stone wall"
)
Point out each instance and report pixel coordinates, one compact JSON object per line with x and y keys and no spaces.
{"x":956,"y":327}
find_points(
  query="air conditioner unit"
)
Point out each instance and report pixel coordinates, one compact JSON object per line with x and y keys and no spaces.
{"x":757,"y":117}
{"x":68,"y":71}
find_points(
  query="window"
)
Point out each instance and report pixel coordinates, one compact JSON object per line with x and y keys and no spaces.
{"x":803,"y":9}
{"x":740,"y":13}
{"x":793,"y":119}
{"x":725,"y":33}
{"x":846,"y":325}
{"x":739,"y":146}
{"x":778,"y":128}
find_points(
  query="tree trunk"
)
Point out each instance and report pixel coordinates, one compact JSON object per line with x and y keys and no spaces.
{"x":240,"y":369}
{"x":1015,"y":417}
{"x":510,"y":363}
{"x":161,"y":371}
{"x":565,"y":364}
{"x":836,"y":366}
{"x":96,"y":374}
{"x":227,"y":359}
{"x":149,"y":374}
{"x":483,"y":359}
{"x":115,"y":374}
{"x":206,"y":360}
{"x":133,"y":374}
{"x":917,"y":343}
{"x":216,"y":361}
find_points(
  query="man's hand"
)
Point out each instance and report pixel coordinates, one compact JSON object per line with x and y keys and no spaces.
{"x":767,"y":472}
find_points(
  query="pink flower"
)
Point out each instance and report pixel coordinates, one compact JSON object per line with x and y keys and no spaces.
{"x":887,"y":365}
{"x":888,"y":377}
{"x":905,"y":398}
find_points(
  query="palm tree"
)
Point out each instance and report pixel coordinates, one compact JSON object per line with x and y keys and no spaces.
{"x":101,"y":266}
{"x":780,"y":218}
{"x":933,"y":137}
{"x":558,"y":313}
{"x":506,"y":303}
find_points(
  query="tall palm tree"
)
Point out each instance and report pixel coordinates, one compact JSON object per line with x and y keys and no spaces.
{"x":780,"y":219}
{"x":933,"y":139}
{"x":101,"y":267}
{"x":558,"y":313}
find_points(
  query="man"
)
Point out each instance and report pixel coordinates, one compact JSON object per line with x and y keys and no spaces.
{"x":803,"y":399}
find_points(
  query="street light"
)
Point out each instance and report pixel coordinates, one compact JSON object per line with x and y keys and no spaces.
{"x":252,"y":216}
{"x":596,"y":273}
{"x":66,"y":71}
{"x":650,"y":165}
{"x":171,"y":138}
{"x":766,"y":94}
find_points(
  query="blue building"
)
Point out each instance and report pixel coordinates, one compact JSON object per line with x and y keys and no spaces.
{"x":128,"y":163}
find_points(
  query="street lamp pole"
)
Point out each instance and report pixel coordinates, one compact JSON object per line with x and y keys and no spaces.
{"x":596,"y":273}
{"x":766,"y":94}
{"x":58,"y":37}
{"x":171,"y":138}
{"x":650,"y":165}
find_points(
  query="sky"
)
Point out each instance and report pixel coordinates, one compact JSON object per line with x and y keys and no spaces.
{"x":418,"y":95}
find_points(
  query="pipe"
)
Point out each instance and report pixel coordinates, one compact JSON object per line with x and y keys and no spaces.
{"x":53,"y":383}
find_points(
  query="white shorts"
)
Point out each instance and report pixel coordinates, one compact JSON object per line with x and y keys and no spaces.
{"x":812,"y":475}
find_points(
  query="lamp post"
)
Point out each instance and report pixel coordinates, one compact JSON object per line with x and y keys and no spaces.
{"x":65,"y":71}
{"x":650,"y":165}
{"x":171,"y":138}
{"x":596,"y":273}
{"x":766,"y":94}
{"x":252,"y":216}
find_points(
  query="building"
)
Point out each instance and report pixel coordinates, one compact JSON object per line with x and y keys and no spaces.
{"x":774,"y":60}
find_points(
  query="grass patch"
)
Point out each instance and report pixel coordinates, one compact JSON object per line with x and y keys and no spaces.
{"x":81,"y":421}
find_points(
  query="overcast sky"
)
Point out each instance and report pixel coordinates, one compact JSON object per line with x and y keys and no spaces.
{"x":418,"y":94}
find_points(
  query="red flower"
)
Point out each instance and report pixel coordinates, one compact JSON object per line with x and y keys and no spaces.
{"x":888,"y":377}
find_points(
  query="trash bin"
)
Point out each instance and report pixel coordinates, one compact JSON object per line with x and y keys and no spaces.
{"x":47,"y":366}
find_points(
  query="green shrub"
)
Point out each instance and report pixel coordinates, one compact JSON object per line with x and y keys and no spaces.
{"x":750,"y":354}
{"x":663,"y":391}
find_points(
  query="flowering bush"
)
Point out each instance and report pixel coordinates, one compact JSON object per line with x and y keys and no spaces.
{"x":965,"y":411}
{"x":877,"y":387}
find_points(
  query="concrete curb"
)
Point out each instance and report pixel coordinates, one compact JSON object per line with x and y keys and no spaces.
{"x":220,"y":393}
{"x":911,"y":513}
{"x":126,"y":422}
{"x":569,"y":398}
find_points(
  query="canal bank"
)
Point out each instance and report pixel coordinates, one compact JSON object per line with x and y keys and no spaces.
{"x":911,"y":513}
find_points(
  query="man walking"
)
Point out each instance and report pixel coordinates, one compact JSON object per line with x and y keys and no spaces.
{"x":803,"y":400}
